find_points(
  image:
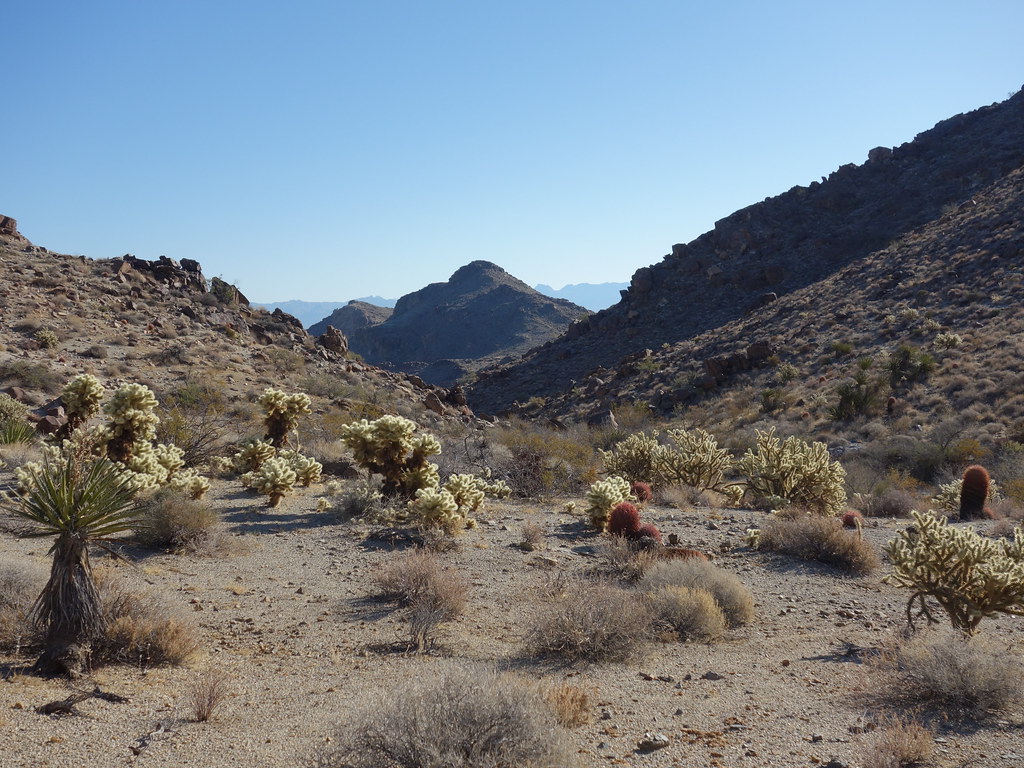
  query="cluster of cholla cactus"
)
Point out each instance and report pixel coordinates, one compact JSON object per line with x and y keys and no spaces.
{"x":449,"y":506}
{"x":81,"y":397}
{"x":802,"y":473}
{"x":690,"y":457}
{"x":268,"y":471}
{"x":282,"y":412}
{"x":969,"y":576}
{"x":391,"y":447}
{"x":603,"y":497}
{"x":695,"y":459}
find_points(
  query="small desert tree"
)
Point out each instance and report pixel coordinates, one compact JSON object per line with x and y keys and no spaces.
{"x":80,"y":501}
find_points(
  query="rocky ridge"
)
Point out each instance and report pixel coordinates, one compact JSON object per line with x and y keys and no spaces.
{"x":773,"y":248}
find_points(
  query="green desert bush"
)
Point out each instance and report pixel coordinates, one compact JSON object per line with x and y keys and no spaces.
{"x":802,"y":473}
{"x":597,"y":622}
{"x":731,"y":596}
{"x":823,"y":539}
{"x":458,"y":718}
{"x":969,"y":576}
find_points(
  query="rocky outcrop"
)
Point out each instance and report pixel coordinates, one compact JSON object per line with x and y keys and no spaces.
{"x":768,"y":250}
{"x":353,"y":317}
{"x":9,"y":229}
{"x":184,"y":274}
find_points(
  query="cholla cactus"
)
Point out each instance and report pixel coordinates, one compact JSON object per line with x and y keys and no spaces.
{"x":467,"y":490}
{"x":275,"y":479}
{"x":635,"y":458}
{"x":81,"y":398}
{"x":970,"y":577}
{"x":697,"y":461}
{"x":603,"y":497}
{"x":252,"y":455}
{"x":132,"y":421}
{"x":11,"y":409}
{"x":803,"y":473}
{"x":307,"y":470}
{"x":389,"y":446}
{"x":282,"y":413}
{"x":191,"y":484}
{"x":437,"y":508}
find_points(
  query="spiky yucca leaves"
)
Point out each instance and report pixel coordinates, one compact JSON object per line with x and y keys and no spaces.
{"x":80,"y":501}
{"x":81,"y":397}
{"x":800,"y":472}
{"x":389,"y":446}
{"x":603,"y":497}
{"x":695,"y":459}
{"x":282,"y":413}
{"x":969,"y":576}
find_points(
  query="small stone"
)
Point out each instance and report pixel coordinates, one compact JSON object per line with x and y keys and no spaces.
{"x":652,"y":741}
{"x":815,"y":738}
{"x":712,"y":676}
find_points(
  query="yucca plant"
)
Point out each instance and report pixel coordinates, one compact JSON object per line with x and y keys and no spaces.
{"x":80,"y":501}
{"x":15,"y":431}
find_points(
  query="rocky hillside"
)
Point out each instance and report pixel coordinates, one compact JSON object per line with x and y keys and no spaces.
{"x":163,"y":324}
{"x":441,"y":332}
{"x":352,"y":318}
{"x":774,"y":248}
{"x":932,"y":320}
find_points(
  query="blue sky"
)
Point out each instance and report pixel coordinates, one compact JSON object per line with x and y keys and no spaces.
{"x":328,"y":150}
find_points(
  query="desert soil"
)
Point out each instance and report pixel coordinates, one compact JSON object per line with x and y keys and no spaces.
{"x":289,"y":615}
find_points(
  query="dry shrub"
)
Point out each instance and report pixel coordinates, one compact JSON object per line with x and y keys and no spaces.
{"x":692,"y":614}
{"x":821,"y":539}
{"x":462,"y":718}
{"x":573,"y":706}
{"x":169,"y":519}
{"x":19,"y":587}
{"x":140,"y":628}
{"x":898,"y":744}
{"x":207,"y":692}
{"x":686,"y":497}
{"x":950,"y":673}
{"x":623,"y":559}
{"x":532,"y":537}
{"x":431,"y":593}
{"x":596,"y":622}
{"x":894,"y":502}
{"x":734,"y":599}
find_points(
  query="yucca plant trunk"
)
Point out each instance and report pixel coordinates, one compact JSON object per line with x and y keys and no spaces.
{"x":68,"y":609}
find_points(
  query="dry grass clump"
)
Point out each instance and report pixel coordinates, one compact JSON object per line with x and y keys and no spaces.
{"x":19,"y":588}
{"x":898,"y":744}
{"x":692,"y":614}
{"x":596,"y":622}
{"x":573,"y":706}
{"x":821,"y":539}
{"x":170,"y":519}
{"x":734,"y":599}
{"x":207,"y":692}
{"x":948,"y":672}
{"x":431,"y":593}
{"x":532,"y":537}
{"x":463,"y":718}
{"x":140,"y":628}
{"x":623,"y":560}
{"x":894,"y":502}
